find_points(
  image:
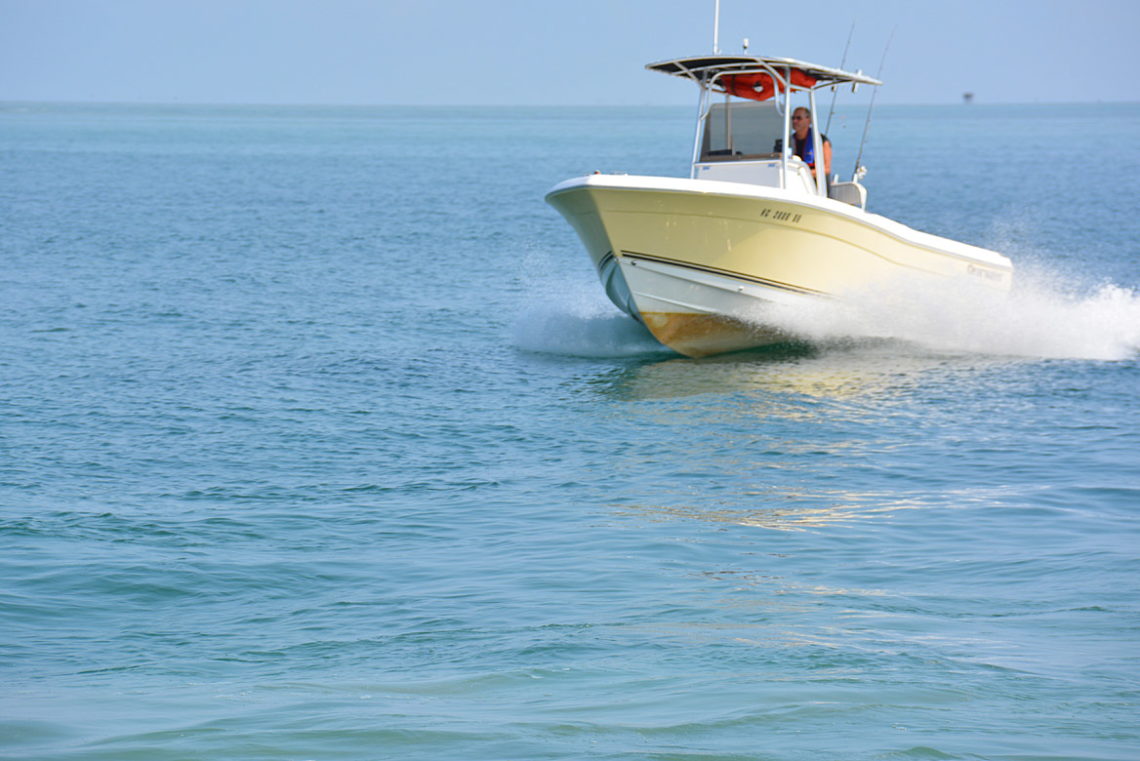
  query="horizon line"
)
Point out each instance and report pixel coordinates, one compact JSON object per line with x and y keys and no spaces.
{"x":279,"y":104}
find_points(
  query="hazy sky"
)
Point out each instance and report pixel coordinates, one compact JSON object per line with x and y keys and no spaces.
{"x":548,"y":51}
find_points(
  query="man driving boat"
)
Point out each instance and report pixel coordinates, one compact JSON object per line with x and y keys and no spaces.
{"x":804,"y":141}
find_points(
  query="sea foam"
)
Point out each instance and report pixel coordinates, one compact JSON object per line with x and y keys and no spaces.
{"x":581,"y":328}
{"x":1038,"y":318}
{"x":572,"y":316}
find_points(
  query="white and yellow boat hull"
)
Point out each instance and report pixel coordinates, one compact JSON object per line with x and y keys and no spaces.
{"x":696,"y":260}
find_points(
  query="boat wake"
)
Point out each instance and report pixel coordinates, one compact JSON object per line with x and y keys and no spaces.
{"x":1045,"y":316}
{"x":581,"y":325}
{"x":1037,"y":319}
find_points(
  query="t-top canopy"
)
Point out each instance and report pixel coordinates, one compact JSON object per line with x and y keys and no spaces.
{"x":756,"y":78}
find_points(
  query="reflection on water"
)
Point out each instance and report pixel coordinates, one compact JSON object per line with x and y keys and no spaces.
{"x":802,"y":440}
{"x":842,"y":371}
{"x":786,"y":439}
{"x":750,"y":580}
{"x":783,"y":518}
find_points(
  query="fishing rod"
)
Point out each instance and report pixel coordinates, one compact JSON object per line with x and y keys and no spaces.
{"x":835,"y":90}
{"x":870,"y":108}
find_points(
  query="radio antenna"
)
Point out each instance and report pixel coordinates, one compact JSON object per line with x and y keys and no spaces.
{"x":716,"y":27}
{"x":870,"y":108}
{"x":835,"y":90}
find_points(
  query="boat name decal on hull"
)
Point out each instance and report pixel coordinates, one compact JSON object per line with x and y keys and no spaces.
{"x":987,"y":274}
{"x":780,"y":216}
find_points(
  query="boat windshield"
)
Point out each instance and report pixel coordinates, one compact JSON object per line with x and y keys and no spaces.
{"x":738,"y":131}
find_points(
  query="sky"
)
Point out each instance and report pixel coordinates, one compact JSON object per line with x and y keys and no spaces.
{"x":550,"y":52}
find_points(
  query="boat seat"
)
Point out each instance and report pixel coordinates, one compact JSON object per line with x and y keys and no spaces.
{"x":849,"y":192}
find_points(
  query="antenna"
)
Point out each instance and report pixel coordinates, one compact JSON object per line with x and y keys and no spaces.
{"x":716,"y":27}
{"x":871,"y":107}
{"x":835,"y":91}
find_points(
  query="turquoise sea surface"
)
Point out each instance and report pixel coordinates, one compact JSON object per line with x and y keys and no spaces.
{"x":320,"y":441}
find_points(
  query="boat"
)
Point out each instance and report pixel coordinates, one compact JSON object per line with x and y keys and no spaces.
{"x":703,"y":261}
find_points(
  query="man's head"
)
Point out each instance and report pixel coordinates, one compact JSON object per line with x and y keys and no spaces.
{"x":801,"y":119}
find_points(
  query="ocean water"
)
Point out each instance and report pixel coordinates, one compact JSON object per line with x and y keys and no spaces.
{"x":319,"y":440}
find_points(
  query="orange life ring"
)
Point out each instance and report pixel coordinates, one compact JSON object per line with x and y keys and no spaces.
{"x":761,"y":86}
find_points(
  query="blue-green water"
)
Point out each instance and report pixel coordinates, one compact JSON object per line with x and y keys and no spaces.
{"x":320,"y":441}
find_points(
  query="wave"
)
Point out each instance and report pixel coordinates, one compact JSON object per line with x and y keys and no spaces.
{"x":1039,"y":318}
{"x":565,"y":330}
{"x":574,"y":318}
